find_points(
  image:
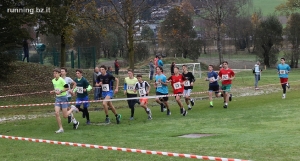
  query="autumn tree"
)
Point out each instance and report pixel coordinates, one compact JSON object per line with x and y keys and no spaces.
{"x":217,"y":11}
{"x":288,"y":7}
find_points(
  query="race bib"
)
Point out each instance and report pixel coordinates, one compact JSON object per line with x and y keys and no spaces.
{"x":130,"y":87}
{"x":177,"y":85}
{"x":282,"y":71}
{"x":105,"y":87}
{"x":57,"y":90}
{"x":158,"y":84}
{"x":79,"y":89}
{"x":212,"y":79}
{"x":142,"y":92}
{"x":225,"y":77}
{"x":187,"y":83}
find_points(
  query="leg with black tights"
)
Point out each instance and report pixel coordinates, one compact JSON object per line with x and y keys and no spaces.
{"x":284,"y":88}
{"x":87,"y":115}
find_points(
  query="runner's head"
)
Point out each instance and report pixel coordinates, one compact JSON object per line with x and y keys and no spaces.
{"x":176,"y":70}
{"x":159,"y":70}
{"x":56,"y":73}
{"x":103,"y":69}
{"x":210,"y":68}
{"x":63,"y":72}
{"x":96,"y":70}
{"x":78,"y":73}
{"x":139,"y":77}
{"x":225,"y":64}
{"x":282,"y":60}
{"x":130,"y":73}
{"x":184,"y":68}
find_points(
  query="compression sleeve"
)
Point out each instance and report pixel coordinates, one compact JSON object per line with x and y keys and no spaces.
{"x":125,"y":86}
{"x":89,"y":88}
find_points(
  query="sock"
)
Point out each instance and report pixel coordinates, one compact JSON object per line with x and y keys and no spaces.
{"x":74,"y":121}
{"x":87,"y":115}
{"x":132,"y":111}
{"x":147,"y":109}
{"x":226,"y":103}
{"x":283,"y":95}
{"x":189,"y":106}
{"x":211,"y":102}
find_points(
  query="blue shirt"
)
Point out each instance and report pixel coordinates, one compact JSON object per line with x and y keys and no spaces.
{"x":212,"y":75}
{"x":160,"y":63}
{"x":283,"y":70}
{"x":161,"y":88}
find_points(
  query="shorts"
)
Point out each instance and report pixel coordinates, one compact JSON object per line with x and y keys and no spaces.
{"x":226,"y":88}
{"x":108,"y":93}
{"x":164,"y":98}
{"x":86,"y":104}
{"x":284,"y":80}
{"x":187,"y":92}
{"x":144,"y":100}
{"x":179,"y":95}
{"x":61,"y":102}
{"x":214,"y":88}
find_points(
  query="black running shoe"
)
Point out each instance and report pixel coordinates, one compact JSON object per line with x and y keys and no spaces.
{"x":192,"y":102}
{"x":69,"y":119}
{"x":190,"y":108}
{"x":225,"y":106}
{"x":230,"y":97}
{"x":168,"y":112}
{"x":211,"y":106}
{"x":75,"y":126}
{"x":118,"y":118}
{"x":184,"y":113}
{"x":288,"y":85}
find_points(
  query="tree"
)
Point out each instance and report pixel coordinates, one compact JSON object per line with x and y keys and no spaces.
{"x":289,"y":7}
{"x":293,"y":35}
{"x":269,"y":37}
{"x":217,"y":11}
{"x":177,"y":31}
{"x":147,"y":33}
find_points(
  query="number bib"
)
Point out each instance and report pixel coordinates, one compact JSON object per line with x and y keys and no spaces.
{"x":177,"y":85}
{"x":212,"y":79}
{"x":282,"y":71}
{"x":187,"y":83}
{"x":225,"y":77}
{"x":142,"y":92}
{"x":79,"y":89}
{"x":158,"y":84}
{"x":105,"y":87}
{"x":57,"y":90}
{"x":130,"y":87}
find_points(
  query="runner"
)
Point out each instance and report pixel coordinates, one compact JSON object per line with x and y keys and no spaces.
{"x":162,"y":89}
{"x":61,"y":99}
{"x":106,"y":81}
{"x":143,"y":88}
{"x":82,"y":87}
{"x":97,"y":90}
{"x":177,"y":82}
{"x":188,"y":86}
{"x":226,"y":75}
{"x":212,"y":77}
{"x":129,"y":91}
{"x":283,"y":71}
{"x":69,"y":81}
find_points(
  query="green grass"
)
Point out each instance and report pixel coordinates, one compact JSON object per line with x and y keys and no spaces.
{"x":263,"y":127}
{"x":267,"y":6}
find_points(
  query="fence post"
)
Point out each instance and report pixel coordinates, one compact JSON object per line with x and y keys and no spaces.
{"x":53,"y":56}
{"x":78,"y":57}
{"x":72,"y":59}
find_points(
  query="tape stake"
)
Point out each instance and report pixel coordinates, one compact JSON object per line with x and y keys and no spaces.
{"x":169,"y":154}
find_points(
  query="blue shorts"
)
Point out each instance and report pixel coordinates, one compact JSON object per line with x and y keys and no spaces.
{"x":61,"y":102}
{"x":86,"y":104}
{"x":108,"y":93}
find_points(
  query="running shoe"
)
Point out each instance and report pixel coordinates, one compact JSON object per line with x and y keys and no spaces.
{"x":184,"y":113}
{"x":149,"y":117}
{"x":288,"y":85}
{"x":118,"y":118}
{"x":107,"y":120}
{"x":59,"y":131}
{"x":225,"y":106}
{"x":131,"y":118}
{"x":168,"y":112}
{"x":283,"y":96}
{"x":211,"y":106}
{"x":88,"y":122}
{"x":190,"y":108}
{"x":75,"y":126}
{"x":192,"y":102}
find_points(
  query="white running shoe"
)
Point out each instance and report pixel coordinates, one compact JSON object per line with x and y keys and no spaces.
{"x":59,"y":131}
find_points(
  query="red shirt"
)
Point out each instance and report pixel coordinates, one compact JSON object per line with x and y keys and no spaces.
{"x":155,"y":62}
{"x":225,"y":74}
{"x":176,"y":82}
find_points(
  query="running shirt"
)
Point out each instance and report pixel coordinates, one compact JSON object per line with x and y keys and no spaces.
{"x":190,"y":78}
{"x":161,"y":88}
{"x":212,"y":76}
{"x":68,"y":81}
{"x":107,"y":82}
{"x":142,"y":88}
{"x":59,"y":85}
{"x":283,"y":70}
{"x":225,"y":75}
{"x":129,"y":85}
{"x":176,"y":82}
{"x":80,"y":85}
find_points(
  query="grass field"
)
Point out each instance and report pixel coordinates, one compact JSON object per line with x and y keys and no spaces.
{"x":259,"y":127}
{"x":267,"y":6}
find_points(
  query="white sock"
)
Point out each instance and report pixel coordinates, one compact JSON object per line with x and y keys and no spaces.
{"x":74,"y":121}
{"x":226,"y":103}
{"x":147,"y":109}
{"x":189,"y":106}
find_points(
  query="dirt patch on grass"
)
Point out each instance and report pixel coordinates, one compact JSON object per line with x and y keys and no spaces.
{"x":195,"y":135}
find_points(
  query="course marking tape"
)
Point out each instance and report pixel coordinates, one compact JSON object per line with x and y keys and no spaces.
{"x":24,"y":94}
{"x":119,"y":99}
{"x":170,"y":154}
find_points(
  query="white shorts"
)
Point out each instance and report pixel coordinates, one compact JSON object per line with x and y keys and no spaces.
{"x":187,"y":92}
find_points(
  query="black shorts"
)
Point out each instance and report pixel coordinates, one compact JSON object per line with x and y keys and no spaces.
{"x":164,"y":98}
{"x":214,"y":88}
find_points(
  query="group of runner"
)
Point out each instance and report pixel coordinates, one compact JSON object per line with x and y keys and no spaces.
{"x":182,"y":85}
